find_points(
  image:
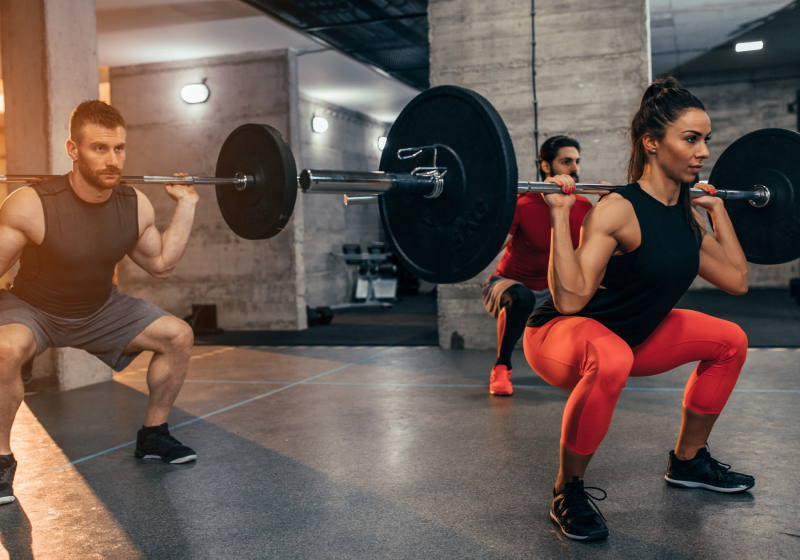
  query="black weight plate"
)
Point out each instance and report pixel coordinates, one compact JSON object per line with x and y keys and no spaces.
{"x":262,"y":210}
{"x":453,"y":237}
{"x":769,"y":157}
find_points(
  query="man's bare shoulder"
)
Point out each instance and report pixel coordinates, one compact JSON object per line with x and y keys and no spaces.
{"x":22,"y":211}
{"x":21,"y":206}
{"x":147,"y":215}
{"x":142,"y":200}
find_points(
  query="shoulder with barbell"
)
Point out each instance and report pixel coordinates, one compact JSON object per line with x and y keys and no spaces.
{"x":611,"y":214}
{"x":145,"y":211}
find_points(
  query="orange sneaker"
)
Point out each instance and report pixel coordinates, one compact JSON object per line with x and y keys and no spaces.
{"x":500,"y":381}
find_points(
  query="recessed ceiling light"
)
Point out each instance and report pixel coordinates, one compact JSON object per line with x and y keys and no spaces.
{"x":319,"y":124}
{"x":195,"y":93}
{"x":752,"y":46}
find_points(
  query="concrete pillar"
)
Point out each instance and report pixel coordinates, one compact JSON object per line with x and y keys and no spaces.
{"x":49,"y":54}
{"x":592,"y":63}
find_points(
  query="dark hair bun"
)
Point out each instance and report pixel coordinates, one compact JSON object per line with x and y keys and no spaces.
{"x":661,"y":87}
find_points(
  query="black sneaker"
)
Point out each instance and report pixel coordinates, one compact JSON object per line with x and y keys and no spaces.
{"x":576,"y":513}
{"x":706,"y":472}
{"x":156,"y":443}
{"x":8,"y":466}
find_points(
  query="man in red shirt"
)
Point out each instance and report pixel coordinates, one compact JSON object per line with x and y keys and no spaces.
{"x":519,"y":285}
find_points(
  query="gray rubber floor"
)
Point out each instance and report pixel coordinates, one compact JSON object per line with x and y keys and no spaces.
{"x":328,"y":452}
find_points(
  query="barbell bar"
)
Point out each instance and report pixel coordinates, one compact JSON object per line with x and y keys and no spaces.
{"x":371,"y":184}
{"x":241,"y":182}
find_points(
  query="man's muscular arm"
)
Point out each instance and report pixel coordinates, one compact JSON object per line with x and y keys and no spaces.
{"x":159,"y":253}
{"x":21,"y":222}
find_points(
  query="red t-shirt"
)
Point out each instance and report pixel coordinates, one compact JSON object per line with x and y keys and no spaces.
{"x":528,"y":254}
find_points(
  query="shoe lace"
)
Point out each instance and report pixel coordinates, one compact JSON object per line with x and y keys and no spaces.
{"x":169,"y":439}
{"x":579,"y":501}
{"x":718,"y":467}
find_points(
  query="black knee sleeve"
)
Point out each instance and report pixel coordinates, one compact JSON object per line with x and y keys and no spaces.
{"x":518,"y":302}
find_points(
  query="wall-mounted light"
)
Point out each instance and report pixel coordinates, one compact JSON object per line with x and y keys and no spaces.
{"x":319,"y":124}
{"x":381,"y":143}
{"x":195,"y":93}
{"x":752,"y":46}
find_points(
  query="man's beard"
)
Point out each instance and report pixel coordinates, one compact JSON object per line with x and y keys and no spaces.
{"x":574,"y":176}
{"x":93,"y":177}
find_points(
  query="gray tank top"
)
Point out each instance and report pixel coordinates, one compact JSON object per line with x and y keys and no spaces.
{"x":70,"y":273}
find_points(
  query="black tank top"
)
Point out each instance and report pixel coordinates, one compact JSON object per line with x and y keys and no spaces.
{"x":70,"y":274}
{"x":641,"y":287}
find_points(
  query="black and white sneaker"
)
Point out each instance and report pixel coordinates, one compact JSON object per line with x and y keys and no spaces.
{"x":156,"y":443}
{"x":706,"y":472}
{"x":8,"y":466}
{"x":576,"y":513}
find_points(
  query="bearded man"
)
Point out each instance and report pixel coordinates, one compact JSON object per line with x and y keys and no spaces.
{"x":68,"y":234}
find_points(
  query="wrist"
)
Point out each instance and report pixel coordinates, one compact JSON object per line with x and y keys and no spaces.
{"x":716,"y":206}
{"x":188,"y":201}
{"x":559,"y":211}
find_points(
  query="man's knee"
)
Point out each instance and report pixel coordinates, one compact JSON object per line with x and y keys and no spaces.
{"x":178,"y":335}
{"x":520,"y":299}
{"x":16,"y":348}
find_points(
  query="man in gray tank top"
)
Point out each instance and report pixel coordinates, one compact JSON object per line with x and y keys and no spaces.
{"x":68,"y":234}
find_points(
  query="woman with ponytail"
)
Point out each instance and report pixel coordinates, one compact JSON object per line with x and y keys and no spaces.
{"x":611,"y":312}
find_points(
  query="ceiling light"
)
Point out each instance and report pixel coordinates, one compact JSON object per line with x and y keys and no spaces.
{"x":319,"y":124}
{"x":381,"y":143}
{"x":195,"y":93}
{"x":752,"y":46}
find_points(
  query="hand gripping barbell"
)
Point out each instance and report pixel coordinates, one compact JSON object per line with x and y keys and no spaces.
{"x":447,"y":186}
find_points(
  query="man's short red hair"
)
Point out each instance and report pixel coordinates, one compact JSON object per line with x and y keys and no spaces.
{"x":93,"y":112}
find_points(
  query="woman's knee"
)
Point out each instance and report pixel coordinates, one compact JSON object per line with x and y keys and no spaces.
{"x":735,"y":340}
{"x":612,"y":365}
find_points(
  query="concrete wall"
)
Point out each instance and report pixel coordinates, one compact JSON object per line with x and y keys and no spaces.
{"x":588,"y":89}
{"x":255,"y":284}
{"x":351,"y":142}
{"x":739,"y":103}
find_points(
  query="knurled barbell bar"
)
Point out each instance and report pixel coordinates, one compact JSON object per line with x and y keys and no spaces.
{"x":447,"y":186}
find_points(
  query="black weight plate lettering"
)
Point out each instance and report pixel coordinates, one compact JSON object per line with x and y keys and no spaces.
{"x":262,"y":210}
{"x":453,"y":237}
{"x":769,"y":157}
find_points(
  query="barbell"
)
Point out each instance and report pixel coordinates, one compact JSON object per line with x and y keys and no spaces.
{"x":447,"y":186}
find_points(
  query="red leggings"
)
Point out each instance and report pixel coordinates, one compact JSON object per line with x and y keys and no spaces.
{"x":581,"y":355}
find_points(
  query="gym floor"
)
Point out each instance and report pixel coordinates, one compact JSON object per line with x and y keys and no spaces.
{"x":389,"y":452}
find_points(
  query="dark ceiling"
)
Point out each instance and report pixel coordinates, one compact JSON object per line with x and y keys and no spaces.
{"x":780,"y":32}
{"x":389,"y":34}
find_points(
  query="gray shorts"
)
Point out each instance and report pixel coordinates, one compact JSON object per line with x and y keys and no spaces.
{"x":104,"y":334}
{"x":493,"y":290}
